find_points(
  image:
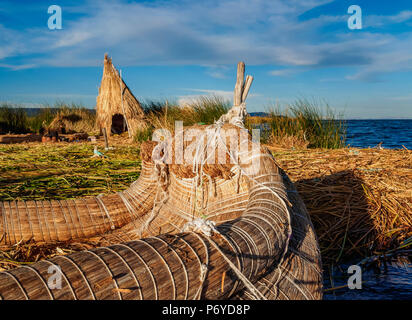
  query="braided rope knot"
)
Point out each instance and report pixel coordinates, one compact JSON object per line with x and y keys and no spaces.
{"x":207,"y":227}
{"x":162,"y":174}
{"x":160,"y":167}
{"x":236,"y":116}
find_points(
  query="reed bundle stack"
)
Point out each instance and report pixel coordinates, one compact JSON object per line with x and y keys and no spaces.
{"x":360,"y":200}
{"x":73,"y":120}
{"x":19,"y":138}
{"x":361,"y":194}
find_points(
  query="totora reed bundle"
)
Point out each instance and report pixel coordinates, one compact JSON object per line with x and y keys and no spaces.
{"x":359,"y":199}
{"x":174,"y":235}
{"x":259,"y":236}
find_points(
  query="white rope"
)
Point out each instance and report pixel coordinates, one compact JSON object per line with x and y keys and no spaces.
{"x":157,"y":205}
{"x":129,"y":207}
{"x":207,"y":228}
{"x":101,"y":203}
{"x":204,"y":267}
{"x":127,"y":204}
{"x":203,"y":274}
{"x":235,"y":116}
{"x":199,"y":159}
{"x":289,"y":236}
{"x":3,"y":211}
{"x":162,"y":183}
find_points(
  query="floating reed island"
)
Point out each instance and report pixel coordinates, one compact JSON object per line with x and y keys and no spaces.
{"x":196,"y":230}
{"x":359,"y":201}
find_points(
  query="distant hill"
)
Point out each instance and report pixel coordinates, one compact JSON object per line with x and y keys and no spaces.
{"x":33,"y":111}
{"x":258,"y":114}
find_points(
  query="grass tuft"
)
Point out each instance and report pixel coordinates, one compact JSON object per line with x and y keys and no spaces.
{"x":304,"y":123}
{"x":73,"y":118}
{"x":202,"y":110}
{"x":13,"y":119}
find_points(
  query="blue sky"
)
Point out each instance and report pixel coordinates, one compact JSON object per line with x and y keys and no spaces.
{"x":181,"y":49}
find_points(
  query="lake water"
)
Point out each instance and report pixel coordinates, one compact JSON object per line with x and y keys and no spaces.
{"x":369,"y":133}
{"x":392,"y":281}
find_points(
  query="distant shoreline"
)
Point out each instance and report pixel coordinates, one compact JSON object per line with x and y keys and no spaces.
{"x":33,"y":110}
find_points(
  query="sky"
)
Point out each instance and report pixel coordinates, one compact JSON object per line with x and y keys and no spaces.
{"x":178,"y":50}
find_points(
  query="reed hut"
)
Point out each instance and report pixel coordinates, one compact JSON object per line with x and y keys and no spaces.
{"x":73,"y":120}
{"x":117,"y":109}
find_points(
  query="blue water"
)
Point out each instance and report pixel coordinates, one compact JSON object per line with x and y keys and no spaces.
{"x":392,"y":281}
{"x":369,"y":133}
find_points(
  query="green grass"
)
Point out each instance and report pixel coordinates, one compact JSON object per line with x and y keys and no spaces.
{"x":208,"y":109}
{"x":310,"y":120}
{"x":42,"y":119}
{"x":62,"y":171}
{"x":204,"y":110}
{"x":144,"y":134}
{"x":74,"y":118}
{"x":14,"y":118}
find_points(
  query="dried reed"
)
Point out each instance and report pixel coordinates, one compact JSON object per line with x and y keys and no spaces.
{"x":72,"y":119}
{"x":360,"y":200}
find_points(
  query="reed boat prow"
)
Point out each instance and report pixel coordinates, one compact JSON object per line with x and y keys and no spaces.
{"x":197,"y":229}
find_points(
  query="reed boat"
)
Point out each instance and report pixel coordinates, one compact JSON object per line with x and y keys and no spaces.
{"x":191,"y":227}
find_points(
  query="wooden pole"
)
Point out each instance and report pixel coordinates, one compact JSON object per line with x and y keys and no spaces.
{"x":124,"y":113}
{"x":239,"y":83}
{"x":106,"y":141}
{"x":248,"y":83}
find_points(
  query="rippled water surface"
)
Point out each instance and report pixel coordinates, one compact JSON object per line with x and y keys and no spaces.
{"x":390,"y":282}
{"x":369,"y":133}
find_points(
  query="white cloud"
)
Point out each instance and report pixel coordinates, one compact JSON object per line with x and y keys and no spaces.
{"x":188,"y":99}
{"x":283,"y":72}
{"x":73,"y":39}
{"x":214,"y":33}
{"x":182,"y":32}
{"x":402,"y":98}
{"x":218,"y":72}
{"x":382,"y":20}
{"x":389,"y":54}
{"x":226,"y":95}
{"x":10,"y":42}
{"x":17,"y":67}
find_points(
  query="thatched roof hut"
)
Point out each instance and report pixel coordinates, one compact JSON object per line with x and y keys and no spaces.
{"x":117,"y":109}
